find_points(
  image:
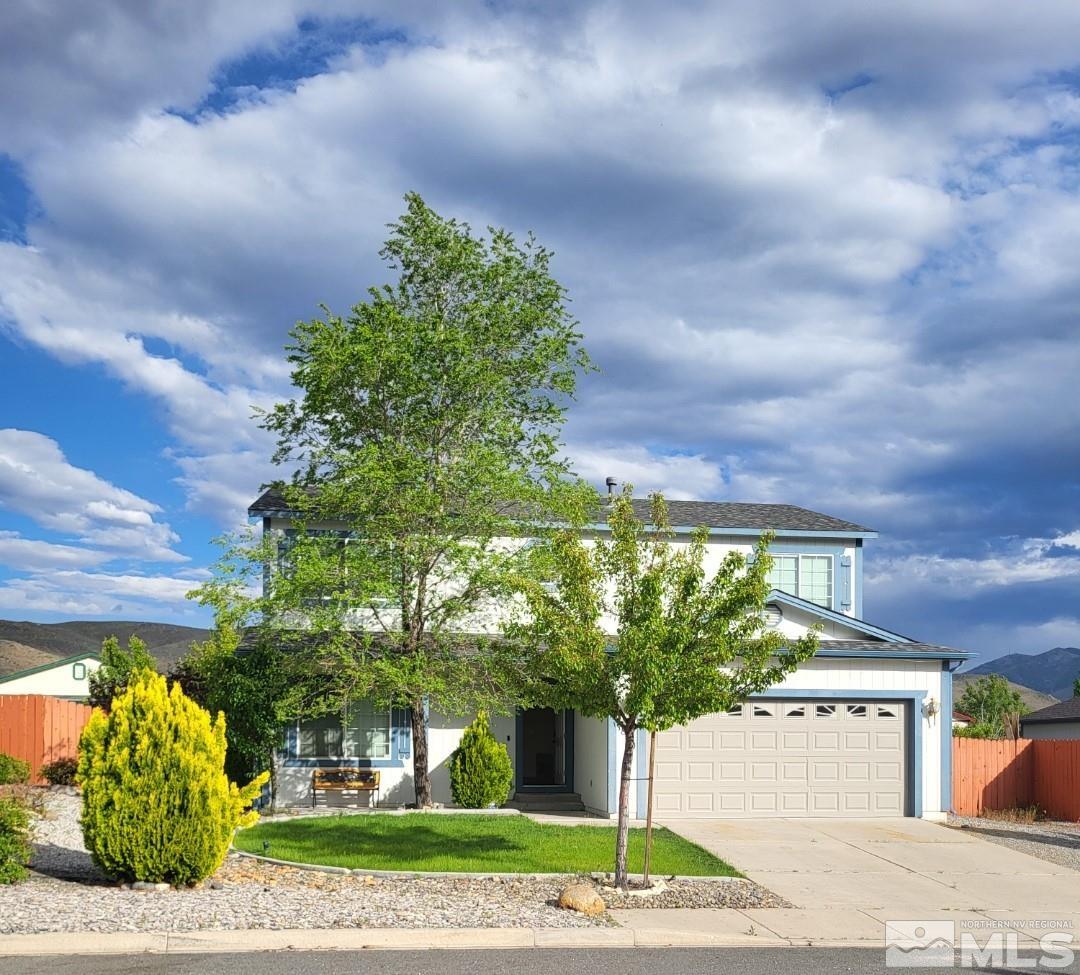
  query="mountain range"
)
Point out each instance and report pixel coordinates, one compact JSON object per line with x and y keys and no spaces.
{"x":24,"y":645}
{"x":1052,"y":672}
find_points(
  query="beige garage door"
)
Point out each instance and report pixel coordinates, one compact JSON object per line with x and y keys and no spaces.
{"x":786,"y":757}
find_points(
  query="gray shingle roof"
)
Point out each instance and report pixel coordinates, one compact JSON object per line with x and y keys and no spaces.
{"x":1062,"y":711}
{"x":905,"y":645}
{"x":712,"y":514}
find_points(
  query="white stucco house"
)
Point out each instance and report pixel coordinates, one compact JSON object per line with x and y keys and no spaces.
{"x":863,"y":729}
{"x":65,"y":677}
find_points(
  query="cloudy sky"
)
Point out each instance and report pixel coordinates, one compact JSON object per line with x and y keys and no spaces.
{"x":824,"y":254}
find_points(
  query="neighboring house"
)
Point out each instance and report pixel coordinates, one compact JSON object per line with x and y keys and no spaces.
{"x":27,"y":670}
{"x":860,"y":730}
{"x":961,"y":720}
{"x":1061,"y":720}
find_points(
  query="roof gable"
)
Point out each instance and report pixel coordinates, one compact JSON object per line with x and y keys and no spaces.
{"x":861,"y":626}
{"x":50,"y":665}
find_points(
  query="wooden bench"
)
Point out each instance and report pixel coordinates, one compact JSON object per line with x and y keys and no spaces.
{"x":342,"y":782}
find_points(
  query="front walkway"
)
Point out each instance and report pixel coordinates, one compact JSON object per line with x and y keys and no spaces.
{"x":852,"y":875}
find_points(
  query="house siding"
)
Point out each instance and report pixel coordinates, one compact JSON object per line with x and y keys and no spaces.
{"x":591,"y":763}
{"x":58,"y":681}
{"x":1056,"y":729}
{"x":396,"y":786}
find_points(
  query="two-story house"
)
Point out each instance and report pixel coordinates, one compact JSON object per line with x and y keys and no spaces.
{"x":862,"y":729}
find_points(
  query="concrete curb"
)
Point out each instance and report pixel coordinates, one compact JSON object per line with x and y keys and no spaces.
{"x":358,"y":939}
{"x":405,"y":874}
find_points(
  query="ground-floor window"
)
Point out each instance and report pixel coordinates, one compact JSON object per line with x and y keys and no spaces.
{"x":363,"y":731}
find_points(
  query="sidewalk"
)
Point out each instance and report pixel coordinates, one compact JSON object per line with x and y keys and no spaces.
{"x":687,"y":928}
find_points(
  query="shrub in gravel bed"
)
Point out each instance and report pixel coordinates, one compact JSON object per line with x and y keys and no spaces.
{"x":60,"y":772}
{"x":157,"y":805}
{"x":14,"y":839}
{"x":13,"y":771}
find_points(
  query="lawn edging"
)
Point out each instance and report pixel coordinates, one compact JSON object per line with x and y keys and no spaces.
{"x":405,"y":874}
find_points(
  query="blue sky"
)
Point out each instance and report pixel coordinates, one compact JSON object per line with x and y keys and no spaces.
{"x":825,"y":257}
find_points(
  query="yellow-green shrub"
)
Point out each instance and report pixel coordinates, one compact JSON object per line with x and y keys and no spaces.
{"x":157,"y":805}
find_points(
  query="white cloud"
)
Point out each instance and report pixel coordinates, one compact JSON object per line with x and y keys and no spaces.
{"x":677,"y":476}
{"x":78,"y":593}
{"x":29,"y":555}
{"x":822,"y":253}
{"x":37,"y":480}
{"x":1013,"y":562}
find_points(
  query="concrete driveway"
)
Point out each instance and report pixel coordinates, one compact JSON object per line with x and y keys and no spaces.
{"x":888,"y":868}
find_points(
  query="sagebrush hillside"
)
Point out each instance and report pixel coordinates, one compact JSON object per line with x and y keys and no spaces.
{"x":24,"y":645}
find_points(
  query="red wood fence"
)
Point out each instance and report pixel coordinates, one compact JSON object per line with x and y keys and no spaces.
{"x":1014,"y":773}
{"x":40,"y":729}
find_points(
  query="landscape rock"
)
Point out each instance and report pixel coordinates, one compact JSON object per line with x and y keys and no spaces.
{"x":67,"y":892}
{"x":582,"y":898}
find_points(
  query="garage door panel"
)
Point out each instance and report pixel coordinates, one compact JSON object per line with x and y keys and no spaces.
{"x":699,"y":771}
{"x":786,"y":757}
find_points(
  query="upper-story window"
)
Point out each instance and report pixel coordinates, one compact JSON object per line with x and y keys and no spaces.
{"x":809,"y":577}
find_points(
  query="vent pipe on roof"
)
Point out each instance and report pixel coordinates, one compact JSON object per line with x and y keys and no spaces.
{"x":611,"y":485}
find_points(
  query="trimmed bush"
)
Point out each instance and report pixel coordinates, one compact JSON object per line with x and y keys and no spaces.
{"x":480,"y":770}
{"x":157,"y":805}
{"x":60,"y":772}
{"x":14,"y":840}
{"x":13,"y":771}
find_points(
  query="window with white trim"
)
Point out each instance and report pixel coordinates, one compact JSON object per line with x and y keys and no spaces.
{"x":363,"y":732}
{"x":809,"y":577}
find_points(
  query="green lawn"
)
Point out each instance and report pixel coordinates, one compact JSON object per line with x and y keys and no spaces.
{"x":470,"y":844}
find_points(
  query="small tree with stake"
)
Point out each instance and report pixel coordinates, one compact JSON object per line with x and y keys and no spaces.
{"x":634,"y":629}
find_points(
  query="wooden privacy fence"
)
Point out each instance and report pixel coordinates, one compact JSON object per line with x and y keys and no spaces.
{"x":1010,"y":774}
{"x":40,"y":729}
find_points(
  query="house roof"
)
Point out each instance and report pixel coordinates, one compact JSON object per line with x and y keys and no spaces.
{"x":1062,"y":711}
{"x":961,"y":716}
{"x":736,"y":515}
{"x":51,"y":664}
{"x":882,"y":648}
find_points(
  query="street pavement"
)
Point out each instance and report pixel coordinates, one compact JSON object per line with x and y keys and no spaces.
{"x":543,"y":961}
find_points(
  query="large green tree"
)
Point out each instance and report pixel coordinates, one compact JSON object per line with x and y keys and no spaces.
{"x":634,"y":627}
{"x":995,"y":706}
{"x":250,"y":685}
{"x":426,"y":438}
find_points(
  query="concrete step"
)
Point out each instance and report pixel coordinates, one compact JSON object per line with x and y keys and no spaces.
{"x":547,"y":802}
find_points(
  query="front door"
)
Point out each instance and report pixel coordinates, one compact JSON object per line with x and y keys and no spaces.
{"x":542,"y":750}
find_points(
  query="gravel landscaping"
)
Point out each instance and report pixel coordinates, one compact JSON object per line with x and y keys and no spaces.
{"x":66,"y":893}
{"x":1054,"y":841}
